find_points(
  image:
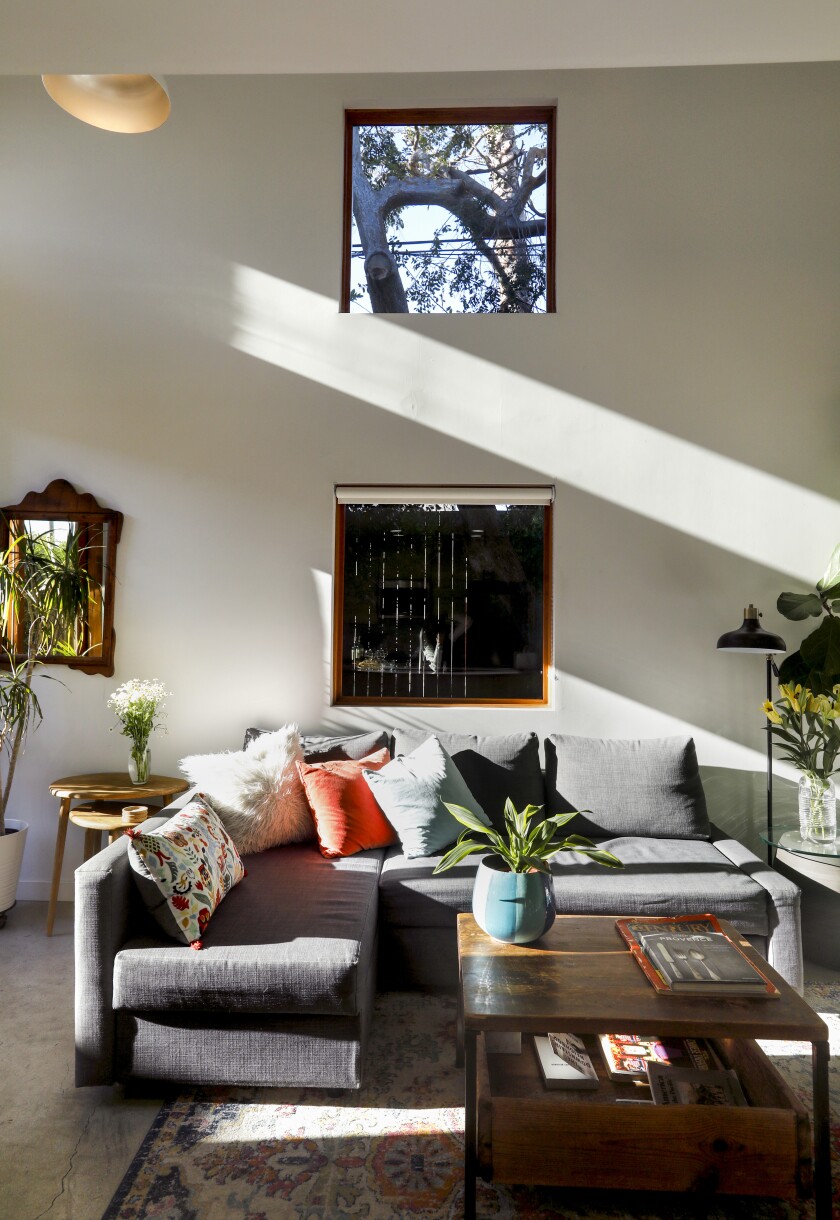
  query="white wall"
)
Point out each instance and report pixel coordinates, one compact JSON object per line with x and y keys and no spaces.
{"x":169,"y":342}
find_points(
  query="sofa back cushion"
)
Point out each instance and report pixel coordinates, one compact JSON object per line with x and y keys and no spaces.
{"x":648,"y":787}
{"x":493,"y":767}
{"x":317,"y":747}
{"x":412,"y":789}
{"x":346,"y":815}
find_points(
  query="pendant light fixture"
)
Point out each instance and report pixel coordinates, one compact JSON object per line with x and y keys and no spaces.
{"x":115,"y":102}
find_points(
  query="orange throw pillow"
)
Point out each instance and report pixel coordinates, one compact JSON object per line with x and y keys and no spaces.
{"x":346,"y":815}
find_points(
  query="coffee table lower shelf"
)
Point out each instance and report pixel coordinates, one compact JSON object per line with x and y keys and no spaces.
{"x":531,"y":1135}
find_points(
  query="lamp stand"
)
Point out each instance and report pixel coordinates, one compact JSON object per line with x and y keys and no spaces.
{"x":770,"y":848}
{"x":752,"y":638}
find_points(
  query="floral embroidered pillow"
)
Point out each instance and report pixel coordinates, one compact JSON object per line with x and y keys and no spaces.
{"x":184,"y":869}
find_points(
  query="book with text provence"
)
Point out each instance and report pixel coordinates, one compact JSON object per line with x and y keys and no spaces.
{"x":692,"y":955}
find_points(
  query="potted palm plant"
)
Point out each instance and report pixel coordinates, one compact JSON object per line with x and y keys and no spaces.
{"x":44,"y":596}
{"x":513,"y":899}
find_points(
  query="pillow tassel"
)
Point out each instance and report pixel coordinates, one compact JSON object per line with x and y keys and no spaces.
{"x":196,"y":944}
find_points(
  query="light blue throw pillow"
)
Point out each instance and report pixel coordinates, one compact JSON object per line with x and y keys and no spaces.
{"x":411,"y":790}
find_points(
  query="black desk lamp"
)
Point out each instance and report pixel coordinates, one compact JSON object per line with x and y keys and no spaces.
{"x":751,"y":637}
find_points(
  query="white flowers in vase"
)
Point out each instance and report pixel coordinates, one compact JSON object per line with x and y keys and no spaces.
{"x":137,"y":704}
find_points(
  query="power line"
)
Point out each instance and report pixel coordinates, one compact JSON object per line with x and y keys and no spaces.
{"x":450,"y":241}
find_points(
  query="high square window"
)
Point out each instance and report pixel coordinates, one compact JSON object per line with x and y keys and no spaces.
{"x":449,"y":211}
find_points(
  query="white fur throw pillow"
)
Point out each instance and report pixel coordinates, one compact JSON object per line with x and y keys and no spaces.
{"x":256,"y":792}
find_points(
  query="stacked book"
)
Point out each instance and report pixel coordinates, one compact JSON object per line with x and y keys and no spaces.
{"x":692,"y":955}
{"x":564,"y":1062}
{"x":679,"y":1071}
{"x":627,"y":1056}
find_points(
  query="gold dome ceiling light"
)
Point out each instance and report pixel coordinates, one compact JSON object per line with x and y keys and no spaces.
{"x":116,"y":102}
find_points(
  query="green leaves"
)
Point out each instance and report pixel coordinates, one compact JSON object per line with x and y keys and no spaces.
{"x":816,"y":663}
{"x":524,"y":847}
{"x":458,"y":853}
{"x":821,"y":650}
{"x":466,"y":817}
{"x":829,"y":582}
{"x":600,"y":856}
{"x":807,"y":727}
{"x":797,"y":606}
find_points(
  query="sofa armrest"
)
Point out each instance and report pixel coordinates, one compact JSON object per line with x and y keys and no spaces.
{"x":104,"y":894}
{"x":784,"y":939}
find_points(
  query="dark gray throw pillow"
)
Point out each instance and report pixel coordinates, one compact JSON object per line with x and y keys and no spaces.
{"x":319,"y":748}
{"x":494,"y":767}
{"x":648,"y":787}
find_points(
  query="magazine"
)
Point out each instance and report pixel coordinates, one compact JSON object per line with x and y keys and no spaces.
{"x":564,"y":1062}
{"x":627,"y":1055}
{"x":688,"y":972}
{"x":673,"y":1086}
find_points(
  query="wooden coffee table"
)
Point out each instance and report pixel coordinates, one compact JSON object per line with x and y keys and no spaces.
{"x":580,"y":978}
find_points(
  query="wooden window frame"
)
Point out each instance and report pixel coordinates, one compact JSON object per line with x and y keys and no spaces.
{"x":449,"y":115}
{"x":341,"y":698}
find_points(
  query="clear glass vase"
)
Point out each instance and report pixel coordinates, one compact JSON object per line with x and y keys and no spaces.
{"x":140,"y":765}
{"x":817,"y":808}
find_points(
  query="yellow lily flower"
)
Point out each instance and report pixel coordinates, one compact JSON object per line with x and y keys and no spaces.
{"x":770,"y":712}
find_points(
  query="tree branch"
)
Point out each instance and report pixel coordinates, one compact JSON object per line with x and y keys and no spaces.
{"x":385,"y":287}
{"x":524,"y":192}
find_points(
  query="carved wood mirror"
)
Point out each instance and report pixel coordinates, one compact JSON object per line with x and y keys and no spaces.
{"x":59,"y":548}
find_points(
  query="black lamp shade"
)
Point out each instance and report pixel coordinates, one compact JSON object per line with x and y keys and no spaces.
{"x":751,"y":636}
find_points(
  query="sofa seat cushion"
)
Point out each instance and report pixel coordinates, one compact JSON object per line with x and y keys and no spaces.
{"x":410,"y":897}
{"x":298,"y":935}
{"x":660,"y":877}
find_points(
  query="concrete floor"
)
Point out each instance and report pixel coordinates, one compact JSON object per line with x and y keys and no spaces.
{"x":63,"y":1150}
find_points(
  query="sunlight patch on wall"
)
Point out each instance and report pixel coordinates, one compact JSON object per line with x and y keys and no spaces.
{"x":631,"y":464}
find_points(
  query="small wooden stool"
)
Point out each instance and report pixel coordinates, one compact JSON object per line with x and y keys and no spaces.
{"x":108,"y":792}
{"x":96,"y":816}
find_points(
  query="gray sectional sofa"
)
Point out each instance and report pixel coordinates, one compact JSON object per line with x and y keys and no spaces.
{"x":282,"y":992}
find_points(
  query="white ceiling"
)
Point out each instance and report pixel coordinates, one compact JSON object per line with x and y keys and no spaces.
{"x":279,"y":36}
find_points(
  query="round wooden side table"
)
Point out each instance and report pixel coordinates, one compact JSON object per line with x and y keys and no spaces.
{"x":102,"y":786}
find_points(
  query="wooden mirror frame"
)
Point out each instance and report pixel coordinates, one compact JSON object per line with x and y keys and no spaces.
{"x":60,"y":501}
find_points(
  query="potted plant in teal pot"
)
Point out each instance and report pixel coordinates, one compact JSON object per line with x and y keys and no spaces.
{"x":513,"y":900}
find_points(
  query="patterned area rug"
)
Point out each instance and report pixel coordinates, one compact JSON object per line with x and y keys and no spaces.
{"x":394,"y":1149}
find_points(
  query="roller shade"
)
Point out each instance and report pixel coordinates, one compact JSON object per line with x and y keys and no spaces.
{"x":356,"y":493}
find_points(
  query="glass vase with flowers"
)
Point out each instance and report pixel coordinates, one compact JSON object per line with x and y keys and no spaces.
{"x":807,"y":726}
{"x":137,"y":705}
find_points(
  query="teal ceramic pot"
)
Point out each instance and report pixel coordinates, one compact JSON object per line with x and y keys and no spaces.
{"x":514,"y":907}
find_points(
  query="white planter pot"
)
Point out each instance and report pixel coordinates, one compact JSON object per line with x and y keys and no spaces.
{"x":11,"y":856}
